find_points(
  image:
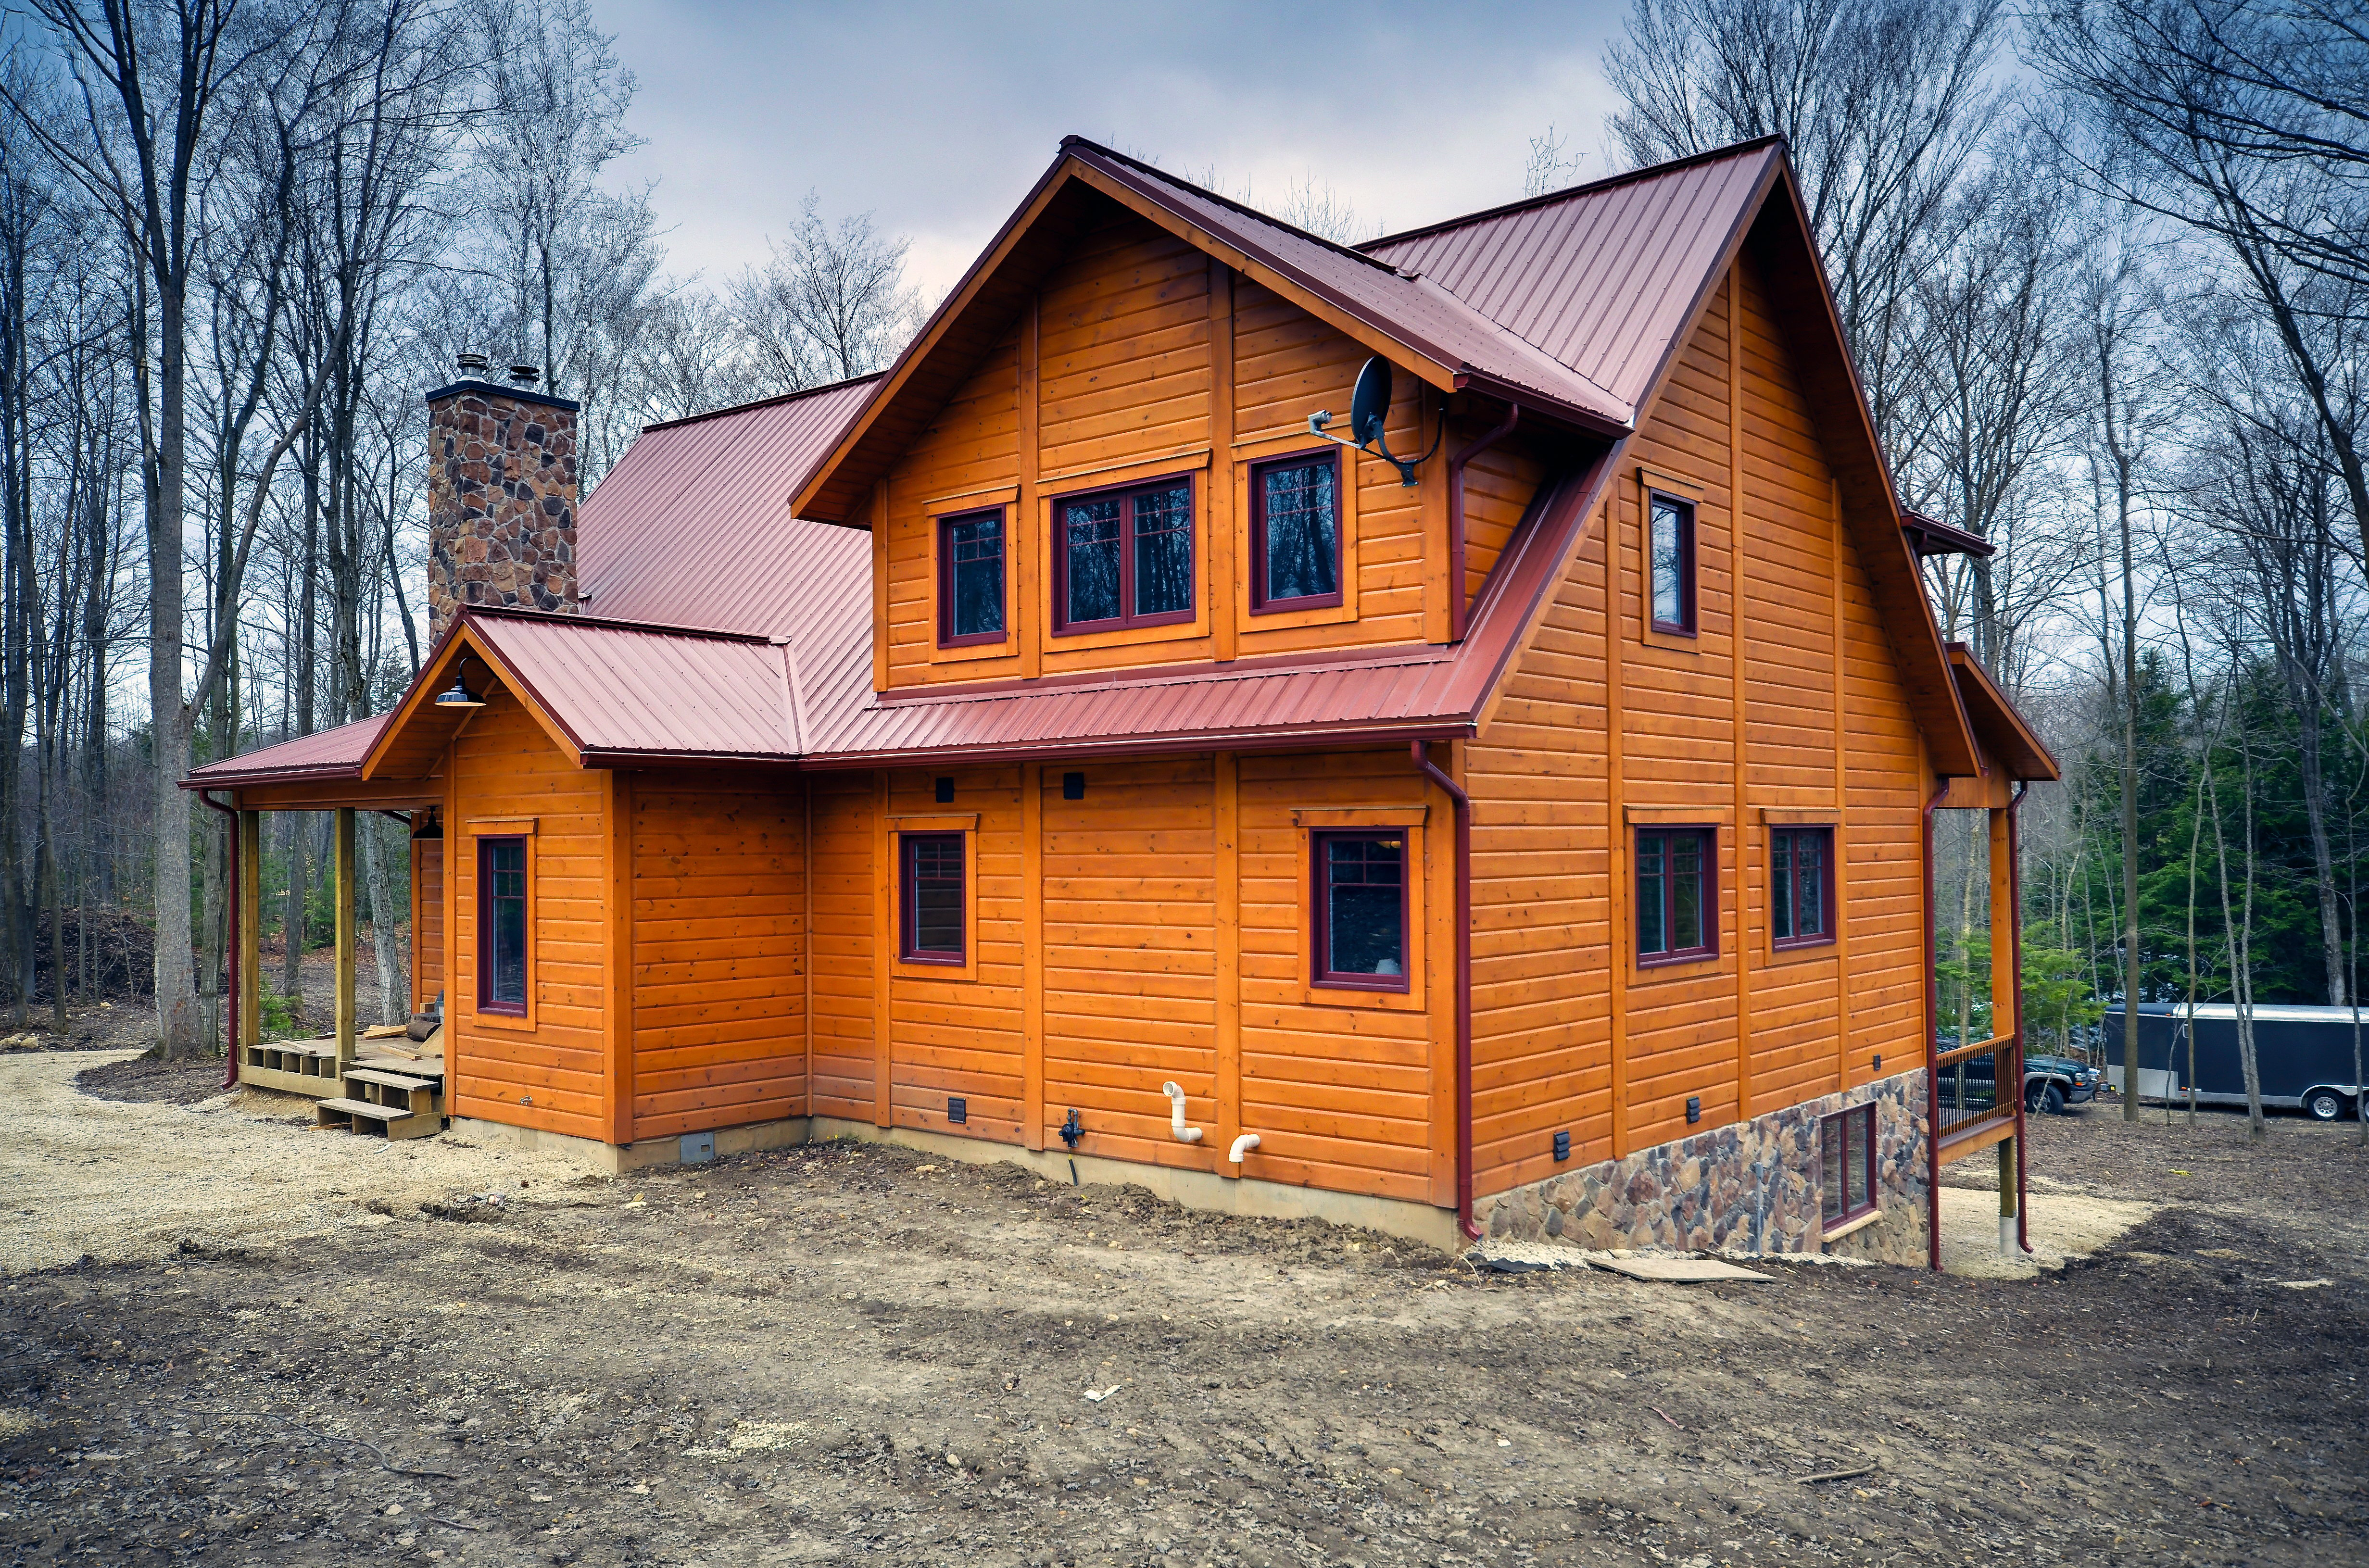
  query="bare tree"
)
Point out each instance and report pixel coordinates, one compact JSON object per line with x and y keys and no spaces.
{"x":829,"y":302}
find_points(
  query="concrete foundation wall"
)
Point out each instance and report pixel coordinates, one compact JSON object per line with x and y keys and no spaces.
{"x":1751,"y":1186}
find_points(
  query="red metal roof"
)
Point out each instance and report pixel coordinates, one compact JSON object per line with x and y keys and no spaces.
{"x":634,"y":690}
{"x":324,"y":754}
{"x":693,"y":527}
{"x":1418,"y":311}
{"x":1602,"y":278}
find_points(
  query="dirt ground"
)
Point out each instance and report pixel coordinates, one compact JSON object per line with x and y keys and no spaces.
{"x":439,"y":1354}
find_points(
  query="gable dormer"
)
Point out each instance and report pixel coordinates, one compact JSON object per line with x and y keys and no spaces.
{"x":1097,"y":457}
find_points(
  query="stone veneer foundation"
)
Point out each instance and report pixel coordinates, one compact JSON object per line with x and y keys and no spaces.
{"x":1750,"y":1187}
{"x":501,"y":499}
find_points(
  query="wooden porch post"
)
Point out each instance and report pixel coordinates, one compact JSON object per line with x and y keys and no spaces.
{"x":247,"y":1029}
{"x":343,"y":863}
{"x":2007,"y":1012}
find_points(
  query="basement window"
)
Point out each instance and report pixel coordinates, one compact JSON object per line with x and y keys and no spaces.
{"x":1361,"y":911}
{"x":502,"y":925}
{"x":1847,"y":1158}
{"x":1676,"y":894}
{"x":1800,"y":886}
{"x":1295,"y":533}
{"x":1122,"y":559}
{"x":932,"y":923}
{"x":1670,"y":561}
{"x":970,"y":579}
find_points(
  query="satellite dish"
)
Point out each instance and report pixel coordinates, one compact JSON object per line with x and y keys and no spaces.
{"x":1370,"y":404}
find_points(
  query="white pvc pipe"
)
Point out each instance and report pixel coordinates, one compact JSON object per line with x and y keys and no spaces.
{"x":1176,"y":1114}
{"x":1243,"y":1146}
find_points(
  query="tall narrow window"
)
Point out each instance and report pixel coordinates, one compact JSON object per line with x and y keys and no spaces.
{"x":970,"y":579}
{"x":1295,"y":535}
{"x":933,"y":919}
{"x":1124,"y":558}
{"x":1675,"y":896}
{"x":502,"y":926}
{"x":1800,"y":886}
{"x":1670,"y":554}
{"x":1847,"y":1164}
{"x":1361,"y":911}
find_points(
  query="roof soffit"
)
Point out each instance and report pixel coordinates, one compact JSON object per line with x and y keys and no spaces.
{"x":417,"y":725}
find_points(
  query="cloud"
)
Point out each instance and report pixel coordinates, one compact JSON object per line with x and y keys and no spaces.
{"x":938,"y":117}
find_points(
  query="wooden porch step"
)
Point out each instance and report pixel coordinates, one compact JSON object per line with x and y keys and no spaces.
{"x":391,"y":1121}
{"x":389,"y":1079}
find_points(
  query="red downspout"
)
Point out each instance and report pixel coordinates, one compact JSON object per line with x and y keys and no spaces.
{"x":1463,"y":980}
{"x":2015,"y":955}
{"x":1933,"y":1051}
{"x":230,"y":958}
{"x":1456,"y":607}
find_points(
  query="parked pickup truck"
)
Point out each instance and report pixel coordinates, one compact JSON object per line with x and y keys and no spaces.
{"x":2049,"y":1082}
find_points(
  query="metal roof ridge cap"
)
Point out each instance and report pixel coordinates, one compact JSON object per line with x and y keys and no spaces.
{"x":756,"y":405}
{"x":1572,"y":192}
{"x":606,"y":623}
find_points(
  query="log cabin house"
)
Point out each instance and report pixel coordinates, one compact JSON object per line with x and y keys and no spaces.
{"x":1058,"y":749}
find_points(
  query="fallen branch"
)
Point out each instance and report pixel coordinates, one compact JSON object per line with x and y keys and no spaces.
{"x":454,"y":1524}
{"x":385,"y":1463}
{"x":1664,"y":1415}
{"x":1837,"y":1475}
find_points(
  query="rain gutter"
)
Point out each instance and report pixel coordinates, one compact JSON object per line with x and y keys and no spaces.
{"x":1463,"y":985}
{"x":1933,"y":1047}
{"x":1456,"y":594}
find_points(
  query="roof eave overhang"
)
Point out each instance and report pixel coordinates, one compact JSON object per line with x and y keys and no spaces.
{"x":330,"y":772}
{"x":1278,"y":738}
{"x":461,"y":639}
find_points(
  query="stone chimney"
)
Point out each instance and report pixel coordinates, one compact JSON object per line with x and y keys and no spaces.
{"x":502,"y":494}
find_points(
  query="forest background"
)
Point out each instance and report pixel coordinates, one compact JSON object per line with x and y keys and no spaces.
{"x":2103,"y":265}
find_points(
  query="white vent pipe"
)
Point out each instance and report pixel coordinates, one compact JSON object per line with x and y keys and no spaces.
{"x":1176,"y":1114}
{"x":1243,"y":1146}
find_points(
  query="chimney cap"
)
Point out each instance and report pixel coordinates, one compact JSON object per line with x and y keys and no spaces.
{"x":465,"y":362}
{"x":524,"y":375}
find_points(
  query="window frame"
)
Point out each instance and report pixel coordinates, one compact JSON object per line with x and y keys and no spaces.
{"x":523,"y":1008}
{"x":1825,"y":834}
{"x":1709,"y":947}
{"x":908,"y":948}
{"x":1260,"y":603}
{"x":1689,"y":573}
{"x":1320,"y":918}
{"x":1842,"y":1213}
{"x":944,"y":523}
{"x":1057,"y":552}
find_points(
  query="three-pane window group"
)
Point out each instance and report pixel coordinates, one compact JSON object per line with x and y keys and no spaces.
{"x":1127,"y":557}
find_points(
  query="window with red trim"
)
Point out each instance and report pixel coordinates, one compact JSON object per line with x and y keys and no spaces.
{"x":1360,"y":929}
{"x":1800,"y":886}
{"x":1295,"y":533}
{"x":1122,"y":559}
{"x":502,"y":926}
{"x":1678,"y":896}
{"x":970,"y":579}
{"x":1670,"y":562}
{"x":1846,"y":1158}
{"x":931,"y":921}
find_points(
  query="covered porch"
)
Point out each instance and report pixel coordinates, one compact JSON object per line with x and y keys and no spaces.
{"x":385,"y":1079}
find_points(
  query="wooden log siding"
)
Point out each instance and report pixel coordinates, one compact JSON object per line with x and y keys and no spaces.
{"x":427,"y":922}
{"x":1129,"y":934}
{"x":718,"y":945}
{"x":546,"y":1071}
{"x":1112,"y":371}
{"x":961,"y":1037}
{"x":845,"y":1033}
{"x":1546,"y":955}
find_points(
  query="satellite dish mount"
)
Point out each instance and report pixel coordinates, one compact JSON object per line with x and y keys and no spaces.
{"x":1369,"y":406}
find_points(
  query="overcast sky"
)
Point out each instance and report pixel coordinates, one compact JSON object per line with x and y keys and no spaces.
{"x":937,"y":117}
